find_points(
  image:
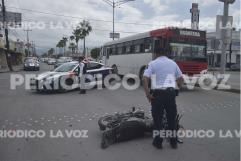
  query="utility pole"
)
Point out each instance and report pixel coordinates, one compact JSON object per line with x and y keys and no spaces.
{"x":224,"y":34}
{"x":28,"y":43}
{"x":115,"y":4}
{"x":32,"y":47}
{"x":8,"y":55}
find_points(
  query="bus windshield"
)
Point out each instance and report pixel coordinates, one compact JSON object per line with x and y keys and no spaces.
{"x":183,"y":51}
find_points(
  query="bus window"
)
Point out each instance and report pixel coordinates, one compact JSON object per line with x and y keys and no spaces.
{"x":128,"y":49}
{"x":119,"y":50}
{"x":148,"y":48}
{"x":114,"y":50}
{"x":109,"y":51}
{"x":142,"y":48}
{"x":132,"y":48}
{"x":123,"y":50}
{"x":137,"y":48}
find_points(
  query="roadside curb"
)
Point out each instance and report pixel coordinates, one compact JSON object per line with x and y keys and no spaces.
{"x":237,"y":91}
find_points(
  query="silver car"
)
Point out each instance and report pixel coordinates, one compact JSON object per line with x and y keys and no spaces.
{"x":31,"y":64}
{"x":65,"y":77}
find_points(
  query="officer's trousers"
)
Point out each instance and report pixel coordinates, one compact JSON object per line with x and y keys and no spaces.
{"x":164,"y":99}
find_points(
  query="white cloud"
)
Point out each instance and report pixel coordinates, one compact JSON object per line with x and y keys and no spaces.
{"x":158,"y":5}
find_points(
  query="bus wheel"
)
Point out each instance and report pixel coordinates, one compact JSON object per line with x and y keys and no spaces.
{"x":115,"y":69}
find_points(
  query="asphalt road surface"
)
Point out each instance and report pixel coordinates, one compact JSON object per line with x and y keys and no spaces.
{"x":23,"y":109}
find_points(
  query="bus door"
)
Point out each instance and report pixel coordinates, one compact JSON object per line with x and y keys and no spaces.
{"x":104,"y":55}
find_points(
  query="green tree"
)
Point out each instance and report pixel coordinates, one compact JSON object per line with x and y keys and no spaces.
{"x":86,"y":28}
{"x":95,"y":53}
{"x":72,"y":47}
{"x":59,"y":45}
{"x":51,"y":52}
{"x":64,"y":42}
{"x":77,"y":35}
{"x":82,"y":30}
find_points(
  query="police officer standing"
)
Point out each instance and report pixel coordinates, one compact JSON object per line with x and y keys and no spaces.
{"x":164,"y":75}
{"x":82,"y":71}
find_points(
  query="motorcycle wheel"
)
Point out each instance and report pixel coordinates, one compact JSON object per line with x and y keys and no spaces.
{"x":104,"y":121}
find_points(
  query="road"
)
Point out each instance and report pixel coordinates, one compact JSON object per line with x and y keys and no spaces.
{"x":23,"y":109}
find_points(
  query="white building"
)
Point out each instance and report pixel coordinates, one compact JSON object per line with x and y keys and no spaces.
{"x":214,"y":48}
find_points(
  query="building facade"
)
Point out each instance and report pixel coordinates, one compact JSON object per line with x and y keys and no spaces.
{"x":16,"y":53}
{"x":214,"y":47}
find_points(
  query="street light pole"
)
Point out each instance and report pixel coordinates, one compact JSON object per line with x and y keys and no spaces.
{"x":115,"y":4}
{"x":28,"y":43}
{"x":113,"y":19}
{"x":224,"y":34}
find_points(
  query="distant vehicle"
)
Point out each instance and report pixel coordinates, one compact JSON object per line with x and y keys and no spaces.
{"x":62,"y":60}
{"x":67,"y":59}
{"x":51,"y":61}
{"x":31,"y":64}
{"x":132,"y":54}
{"x":32,"y":58}
{"x":44,"y":60}
{"x":69,"y":71}
{"x":235,"y":67}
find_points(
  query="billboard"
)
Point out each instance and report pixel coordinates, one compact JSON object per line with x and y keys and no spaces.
{"x":219,"y":26}
{"x":13,"y":19}
{"x":115,"y":35}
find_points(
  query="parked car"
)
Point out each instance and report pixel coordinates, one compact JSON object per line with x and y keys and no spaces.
{"x":31,"y":64}
{"x":235,"y":67}
{"x":51,"y":61}
{"x":50,"y":81}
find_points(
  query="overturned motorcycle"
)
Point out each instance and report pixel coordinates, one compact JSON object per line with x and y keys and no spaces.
{"x":130,"y":125}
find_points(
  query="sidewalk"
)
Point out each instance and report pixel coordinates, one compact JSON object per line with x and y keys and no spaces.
{"x":234,"y":80}
{"x":16,"y":68}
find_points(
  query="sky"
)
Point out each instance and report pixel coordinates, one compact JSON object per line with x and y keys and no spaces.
{"x":49,"y":21}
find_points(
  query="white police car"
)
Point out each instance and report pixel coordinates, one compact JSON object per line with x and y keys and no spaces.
{"x":66,"y":77}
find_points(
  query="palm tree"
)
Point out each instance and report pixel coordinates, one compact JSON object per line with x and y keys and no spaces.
{"x":51,"y":52}
{"x":59,"y":45}
{"x":77,"y":35}
{"x":64,"y":42}
{"x":85,"y":31}
{"x":72,"y":47}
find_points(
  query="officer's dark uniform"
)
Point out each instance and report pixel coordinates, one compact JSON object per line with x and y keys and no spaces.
{"x":163,"y":73}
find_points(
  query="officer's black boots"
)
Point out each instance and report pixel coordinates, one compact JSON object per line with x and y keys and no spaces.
{"x":157,"y":142}
{"x":173,"y":143}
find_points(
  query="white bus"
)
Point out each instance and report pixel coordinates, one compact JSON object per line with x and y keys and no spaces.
{"x":132,"y":54}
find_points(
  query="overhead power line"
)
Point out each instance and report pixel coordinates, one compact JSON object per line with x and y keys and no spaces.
{"x":75,"y":17}
{"x":94,"y":28}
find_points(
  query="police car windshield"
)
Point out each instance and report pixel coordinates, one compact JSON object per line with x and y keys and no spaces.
{"x":65,"y":67}
{"x":187,"y":51}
